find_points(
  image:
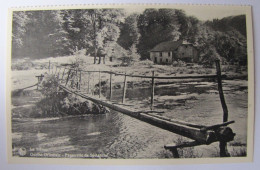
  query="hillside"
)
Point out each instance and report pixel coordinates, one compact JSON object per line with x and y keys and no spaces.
{"x":230,"y":23}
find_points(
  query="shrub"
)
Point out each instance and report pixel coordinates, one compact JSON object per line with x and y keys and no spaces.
{"x":56,"y":103}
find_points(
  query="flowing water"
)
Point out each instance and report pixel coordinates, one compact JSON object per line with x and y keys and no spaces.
{"x":115,"y":135}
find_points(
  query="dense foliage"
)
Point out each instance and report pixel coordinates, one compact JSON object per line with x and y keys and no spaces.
{"x":59,"y":103}
{"x":113,"y":32}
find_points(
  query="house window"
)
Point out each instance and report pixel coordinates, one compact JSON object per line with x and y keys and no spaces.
{"x":169,"y":54}
{"x":161,"y":60}
{"x":166,"y":60}
{"x":160,"y":54}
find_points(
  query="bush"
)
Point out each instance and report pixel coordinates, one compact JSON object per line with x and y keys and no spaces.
{"x":56,"y":103}
{"x":178,"y":63}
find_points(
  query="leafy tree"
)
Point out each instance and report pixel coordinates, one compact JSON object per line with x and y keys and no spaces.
{"x":230,"y":23}
{"x":188,"y":25}
{"x":230,"y":38}
{"x":232,"y":46}
{"x":104,"y":29}
{"x":159,"y":25}
{"x":20,"y":20}
{"x":76,"y":28}
{"x":35,"y":30}
{"x":129,"y":34}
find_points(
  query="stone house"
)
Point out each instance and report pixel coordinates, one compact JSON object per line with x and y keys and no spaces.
{"x":170,"y":51}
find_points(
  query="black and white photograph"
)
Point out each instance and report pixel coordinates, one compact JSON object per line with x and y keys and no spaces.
{"x":133,"y":82}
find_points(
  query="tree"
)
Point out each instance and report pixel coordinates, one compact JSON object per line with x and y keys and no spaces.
{"x":129,"y":33}
{"x":230,"y":38}
{"x":188,"y":25}
{"x":133,"y":55}
{"x":159,"y":25}
{"x":76,"y":28}
{"x":36,"y":34}
{"x":104,"y":29}
{"x":232,"y":46}
{"x":20,"y":21}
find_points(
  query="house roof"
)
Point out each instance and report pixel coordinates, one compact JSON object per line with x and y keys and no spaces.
{"x":167,"y":46}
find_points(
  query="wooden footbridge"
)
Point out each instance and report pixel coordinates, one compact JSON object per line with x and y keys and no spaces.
{"x":199,"y":134}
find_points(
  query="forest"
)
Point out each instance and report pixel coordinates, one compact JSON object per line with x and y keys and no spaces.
{"x":106,"y":32}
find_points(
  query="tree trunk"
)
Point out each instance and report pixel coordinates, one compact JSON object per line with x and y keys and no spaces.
{"x":95,"y":52}
{"x":99,"y":59}
{"x":94,"y":38}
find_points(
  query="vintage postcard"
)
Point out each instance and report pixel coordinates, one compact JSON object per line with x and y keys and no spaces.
{"x":130,"y":84}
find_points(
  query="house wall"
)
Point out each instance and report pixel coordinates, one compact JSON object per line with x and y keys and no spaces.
{"x":184,"y":52}
{"x":187,"y":53}
{"x":161,"y":57}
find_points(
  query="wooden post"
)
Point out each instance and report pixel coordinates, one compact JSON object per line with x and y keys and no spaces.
{"x":222,"y":144}
{"x":79,"y":79}
{"x":124,"y":89}
{"x":68,"y":77}
{"x":55,"y":70}
{"x":63,"y":73}
{"x":38,"y":83}
{"x":93,"y":84}
{"x":175,"y":153}
{"x":110,"y":96}
{"x":88,"y":82}
{"x":58,"y":75}
{"x":49,"y":66}
{"x":152,"y":91}
{"x":99,"y":77}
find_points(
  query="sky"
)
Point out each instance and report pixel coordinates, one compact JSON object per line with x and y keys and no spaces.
{"x":203,"y":13}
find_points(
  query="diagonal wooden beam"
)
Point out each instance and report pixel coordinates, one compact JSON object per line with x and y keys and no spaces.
{"x":204,"y":137}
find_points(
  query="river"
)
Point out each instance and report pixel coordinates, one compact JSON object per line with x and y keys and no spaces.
{"x":115,"y":135}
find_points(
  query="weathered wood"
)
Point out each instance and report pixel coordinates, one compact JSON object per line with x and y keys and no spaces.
{"x":55,"y":70}
{"x":222,"y":144}
{"x":18,"y":91}
{"x":93,"y":84}
{"x":68,"y":77}
{"x":172,"y":147}
{"x":124,"y":89}
{"x":152,"y":91}
{"x":221,"y":94}
{"x":88,"y":82}
{"x":177,"y":121}
{"x":49,"y":66}
{"x":63,"y":73}
{"x":58,"y":75}
{"x":79,"y":79}
{"x":224,"y":134}
{"x":217,"y":125}
{"x":110,"y":92}
{"x":210,"y":76}
{"x":99,"y":78}
{"x":38,"y":80}
{"x":223,"y":149}
{"x":206,"y":137}
{"x":182,"y":145}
